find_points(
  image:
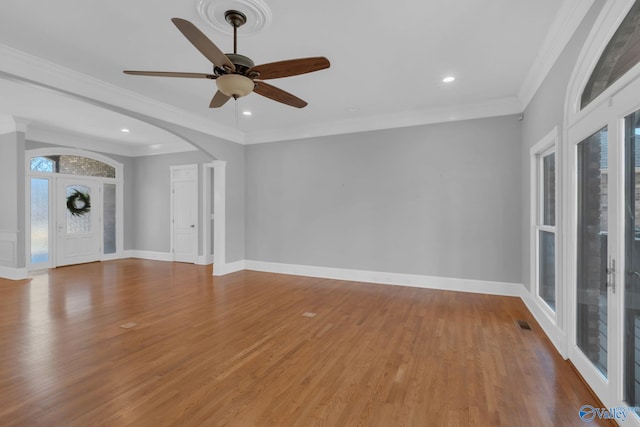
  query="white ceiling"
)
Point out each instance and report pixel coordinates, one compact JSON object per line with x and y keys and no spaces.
{"x":387,"y":63}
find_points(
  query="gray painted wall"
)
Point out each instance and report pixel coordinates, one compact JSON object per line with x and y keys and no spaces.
{"x":8,"y":175}
{"x":152,"y":198}
{"x":12,"y":214}
{"x":544,"y":112}
{"x":439,"y":200}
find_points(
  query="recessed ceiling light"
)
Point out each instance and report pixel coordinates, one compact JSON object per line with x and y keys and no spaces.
{"x":448,"y":79}
{"x":125,"y":130}
{"x":247,"y":113}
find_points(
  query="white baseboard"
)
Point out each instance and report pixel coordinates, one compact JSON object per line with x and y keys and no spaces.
{"x":158,"y":256}
{"x":557,"y":336}
{"x":204,"y":260}
{"x":548,"y":325}
{"x":399,"y":279}
{"x":14,"y":273}
{"x":231,"y":267}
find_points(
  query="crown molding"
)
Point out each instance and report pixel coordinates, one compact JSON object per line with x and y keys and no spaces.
{"x":11,"y":124}
{"x":27,"y":67}
{"x":66,"y":138}
{"x":493,"y":108}
{"x":567,"y":20}
{"x":7,"y":125}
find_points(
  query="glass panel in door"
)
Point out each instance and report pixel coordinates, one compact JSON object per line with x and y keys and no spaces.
{"x":109,"y":218}
{"x":39,"y":204}
{"x":631,"y":352}
{"x":78,"y":235}
{"x":78,"y":213}
{"x":591,"y":327}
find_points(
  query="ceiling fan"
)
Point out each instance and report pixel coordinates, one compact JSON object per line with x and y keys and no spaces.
{"x":236,"y":75}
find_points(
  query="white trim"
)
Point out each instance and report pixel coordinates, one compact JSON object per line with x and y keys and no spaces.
{"x":557,"y":336}
{"x":69,"y":138}
{"x":385,"y":278}
{"x":493,"y":108}
{"x":204,"y":259}
{"x":232,"y":267}
{"x":12,"y":124}
{"x":219,"y":211}
{"x":52,"y":151}
{"x":151,"y":255}
{"x":192,"y":170}
{"x":608,"y":109}
{"x":548,"y":324}
{"x":53,"y":177}
{"x":550,"y":320}
{"x":20,"y":66}
{"x":611,"y":16}
{"x":30,"y":70}
{"x":7,"y":125}
{"x":569,"y":17}
{"x":13,"y":273}
{"x":8,"y":248}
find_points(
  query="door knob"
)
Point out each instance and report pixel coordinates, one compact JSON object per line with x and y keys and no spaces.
{"x":193,"y":226}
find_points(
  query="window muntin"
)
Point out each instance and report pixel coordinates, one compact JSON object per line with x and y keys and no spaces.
{"x":621,"y":54}
{"x":545,"y":226}
{"x":72,"y":165}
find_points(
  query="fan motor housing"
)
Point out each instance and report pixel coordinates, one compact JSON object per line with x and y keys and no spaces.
{"x":242,"y":63}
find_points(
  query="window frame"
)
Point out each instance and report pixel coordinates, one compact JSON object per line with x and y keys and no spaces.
{"x":546,"y":146}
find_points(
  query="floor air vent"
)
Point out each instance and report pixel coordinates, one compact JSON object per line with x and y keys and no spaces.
{"x":524,"y":324}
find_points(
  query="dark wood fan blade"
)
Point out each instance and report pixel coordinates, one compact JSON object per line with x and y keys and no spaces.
{"x":291,"y":67}
{"x":279,"y":95}
{"x":219,"y":99}
{"x":203,"y":44}
{"x":171,"y":74}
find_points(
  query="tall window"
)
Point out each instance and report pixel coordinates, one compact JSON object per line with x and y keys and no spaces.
{"x":546,"y":227}
{"x":543,"y":221}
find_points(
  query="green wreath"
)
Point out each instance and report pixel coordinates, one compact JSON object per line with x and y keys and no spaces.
{"x":78,"y":203}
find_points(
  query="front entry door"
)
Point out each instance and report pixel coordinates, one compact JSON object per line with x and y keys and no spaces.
{"x":78,"y":221}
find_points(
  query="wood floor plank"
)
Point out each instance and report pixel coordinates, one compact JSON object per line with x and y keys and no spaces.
{"x":237,"y":351}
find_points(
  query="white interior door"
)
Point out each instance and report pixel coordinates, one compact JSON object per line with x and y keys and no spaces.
{"x":184,"y":206}
{"x":78,"y":232}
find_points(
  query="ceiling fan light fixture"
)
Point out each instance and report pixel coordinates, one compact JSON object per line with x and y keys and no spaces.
{"x":235,"y":85}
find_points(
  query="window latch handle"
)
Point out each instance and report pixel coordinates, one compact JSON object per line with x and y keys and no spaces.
{"x":611,"y":275}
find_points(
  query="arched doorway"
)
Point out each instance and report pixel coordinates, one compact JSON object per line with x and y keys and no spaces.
{"x":74,"y":207}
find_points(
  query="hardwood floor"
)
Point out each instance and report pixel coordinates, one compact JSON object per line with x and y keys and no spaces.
{"x":237,"y":351}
